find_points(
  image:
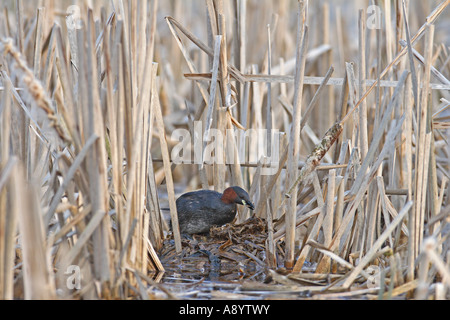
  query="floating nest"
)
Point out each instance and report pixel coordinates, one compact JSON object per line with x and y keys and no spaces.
{"x":229,"y":252}
{"x":254,"y":230}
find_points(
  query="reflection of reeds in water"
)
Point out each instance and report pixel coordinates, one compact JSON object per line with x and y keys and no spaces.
{"x":85,"y":111}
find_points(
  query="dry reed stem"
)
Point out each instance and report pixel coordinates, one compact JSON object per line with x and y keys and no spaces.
{"x":294,"y":141}
{"x":327,"y":225}
{"x":363,"y":135}
{"x":308,"y":80}
{"x":8,"y":225}
{"x":270,"y":243}
{"x":37,"y":272}
{"x":423,"y":148}
{"x":212,"y":96}
{"x":156,"y":109}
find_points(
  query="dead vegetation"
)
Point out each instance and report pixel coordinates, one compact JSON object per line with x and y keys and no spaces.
{"x":357,"y":206}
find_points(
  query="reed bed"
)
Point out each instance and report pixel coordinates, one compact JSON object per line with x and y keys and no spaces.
{"x":92,"y":91}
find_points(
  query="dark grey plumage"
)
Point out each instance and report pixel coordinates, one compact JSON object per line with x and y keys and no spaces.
{"x":198,"y":211}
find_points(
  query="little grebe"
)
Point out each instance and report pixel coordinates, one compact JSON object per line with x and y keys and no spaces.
{"x":198,"y":211}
